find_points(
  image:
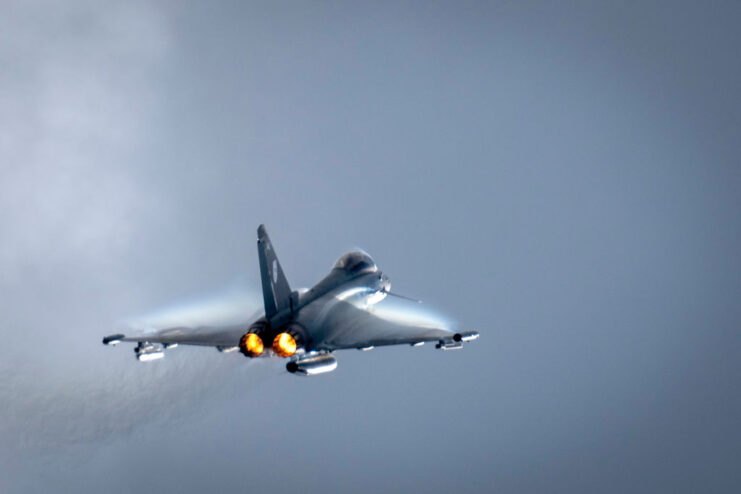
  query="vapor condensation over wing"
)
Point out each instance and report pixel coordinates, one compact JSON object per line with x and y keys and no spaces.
{"x":222,"y":308}
{"x":410,"y":313}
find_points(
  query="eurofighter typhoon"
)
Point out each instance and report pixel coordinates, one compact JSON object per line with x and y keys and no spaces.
{"x":306,"y":327}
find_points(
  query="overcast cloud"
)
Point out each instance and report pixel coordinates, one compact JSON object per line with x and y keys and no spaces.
{"x":564,"y":180}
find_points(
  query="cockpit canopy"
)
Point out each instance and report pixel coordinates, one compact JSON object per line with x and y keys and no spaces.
{"x":356,"y":262}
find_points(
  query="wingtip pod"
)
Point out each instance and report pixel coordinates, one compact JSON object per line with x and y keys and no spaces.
{"x":466,"y":336}
{"x":113,"y":339}
{"x":457,"y":340}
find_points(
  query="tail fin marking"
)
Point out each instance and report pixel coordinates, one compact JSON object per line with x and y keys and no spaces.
{"x":275,"y":289}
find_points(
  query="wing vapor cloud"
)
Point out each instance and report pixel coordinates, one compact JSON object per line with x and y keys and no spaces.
{"x":234,"y":306}
{"x":410,"y":313}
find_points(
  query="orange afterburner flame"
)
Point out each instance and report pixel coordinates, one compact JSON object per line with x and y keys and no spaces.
{"x":251,"y":345}
{"x":284,"y":345}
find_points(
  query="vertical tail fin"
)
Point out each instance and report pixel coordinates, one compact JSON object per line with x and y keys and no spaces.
{"x":275,"y":289}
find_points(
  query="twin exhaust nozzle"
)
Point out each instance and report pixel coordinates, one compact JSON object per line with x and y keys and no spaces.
{"x":284,"y":345}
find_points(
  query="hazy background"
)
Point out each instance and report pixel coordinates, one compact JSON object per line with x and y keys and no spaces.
{"x":563,"y":178}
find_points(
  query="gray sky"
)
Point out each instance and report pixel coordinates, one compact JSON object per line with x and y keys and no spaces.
{"x":564,"y":179}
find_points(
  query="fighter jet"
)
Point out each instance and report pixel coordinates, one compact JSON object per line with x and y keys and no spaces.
{"x":306,"y":327}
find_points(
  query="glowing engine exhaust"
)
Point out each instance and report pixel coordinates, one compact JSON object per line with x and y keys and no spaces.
{"x":284,"y":345}
{"x":312,"y":365}
{"x":258,"y":339}
{"x":251,"y":345}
